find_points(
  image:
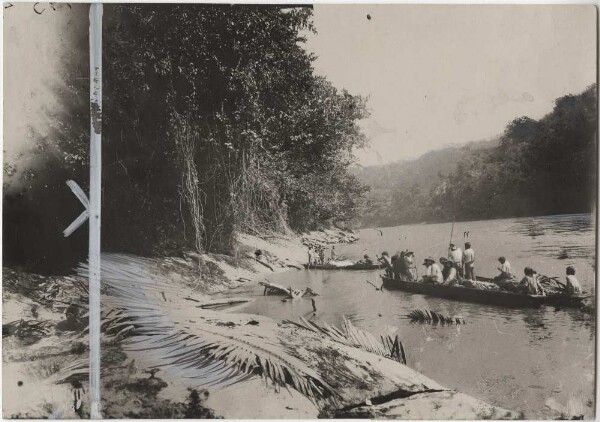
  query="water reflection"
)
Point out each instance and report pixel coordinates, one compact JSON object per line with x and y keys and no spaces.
{"x":516,"y":358}
{"x":536,"y":226}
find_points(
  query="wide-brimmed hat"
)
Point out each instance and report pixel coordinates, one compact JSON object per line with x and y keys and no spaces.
{"x":409,"y":253}
{"x":452,"y":246}
{"x":428,"y":259}
{"x":443,"y":259}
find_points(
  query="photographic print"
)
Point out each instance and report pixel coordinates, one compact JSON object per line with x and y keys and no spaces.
{"x":299,"y":211}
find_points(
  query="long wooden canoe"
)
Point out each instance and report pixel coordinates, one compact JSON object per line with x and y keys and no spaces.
{"x":466,"y":294}
{"x":555,"y":297}
{"x":342,"y":267}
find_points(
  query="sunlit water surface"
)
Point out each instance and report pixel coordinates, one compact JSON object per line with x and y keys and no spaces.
{"x":516,"y":358}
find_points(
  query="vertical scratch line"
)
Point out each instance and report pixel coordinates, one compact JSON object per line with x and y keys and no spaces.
{"x":95,"y":33}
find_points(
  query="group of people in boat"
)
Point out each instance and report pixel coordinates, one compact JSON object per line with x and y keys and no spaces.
{"x":316,"y":255}
{"x":400,"y":266}
{"x":458,"y":268}
{"x":531,"y":283}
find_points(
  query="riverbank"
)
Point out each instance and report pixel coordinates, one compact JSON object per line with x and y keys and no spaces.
{"x":180,"y":291}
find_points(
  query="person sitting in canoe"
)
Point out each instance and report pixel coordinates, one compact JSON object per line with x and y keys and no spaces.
{"x":573,"y":285}
{"x":433,"y":274}
{"x":530,"y":283}
{"x":365,"y":261}
{"x":386,"y":262}
{"x":449,"y":272}
{"x":505,"y":270}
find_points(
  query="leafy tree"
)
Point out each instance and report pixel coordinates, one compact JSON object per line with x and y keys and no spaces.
{"x":538,"y":167}
{"x":213,"y":123}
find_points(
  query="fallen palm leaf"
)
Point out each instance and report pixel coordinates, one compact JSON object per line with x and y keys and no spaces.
{"x":432,"y":317}
{"x":203,"y":353}
{"x":26,"y":328}
{"x":355,"y":337}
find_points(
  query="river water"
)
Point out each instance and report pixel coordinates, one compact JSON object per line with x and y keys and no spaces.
{"x":538,"y":361}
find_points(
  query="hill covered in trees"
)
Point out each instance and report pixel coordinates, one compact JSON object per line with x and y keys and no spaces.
{"x":213,"y":123}
{"x":536,"y":167}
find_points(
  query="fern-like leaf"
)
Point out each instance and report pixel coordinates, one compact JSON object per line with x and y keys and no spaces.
{"x":431,"y":317}
{"x":355,"y":337}
{"x":202,"y":353}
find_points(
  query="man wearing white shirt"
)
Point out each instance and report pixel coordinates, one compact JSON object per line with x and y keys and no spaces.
{"x":456,"y":256}
{"x":433,"y":274}
{"x":505,"y":269}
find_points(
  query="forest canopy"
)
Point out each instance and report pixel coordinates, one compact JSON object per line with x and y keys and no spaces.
{"x":536,"y":167}
{"x":213,"y":123}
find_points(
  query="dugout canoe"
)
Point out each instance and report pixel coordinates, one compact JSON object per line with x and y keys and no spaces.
{"x":466,"y":294}
{"x":556,"y":297}
{"x":343,"y":267}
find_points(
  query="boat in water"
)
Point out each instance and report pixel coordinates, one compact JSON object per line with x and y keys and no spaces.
{"x":485,"y":296}
{"x":348,"y":266}
{"x":555,"y":294}
{"x":466,"y":294}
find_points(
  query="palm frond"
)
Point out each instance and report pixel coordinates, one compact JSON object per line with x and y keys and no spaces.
{"x":200,"y":354}
{"x":350,"y":335}
{"x":431,"y":317}
{"x":26,"y":328}
{"x":553,"y":284}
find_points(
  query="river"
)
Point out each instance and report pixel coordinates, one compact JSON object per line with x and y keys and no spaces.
{"x":531,"y":360}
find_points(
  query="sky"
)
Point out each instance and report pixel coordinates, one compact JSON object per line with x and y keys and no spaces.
{"x":433,"y":75}
{"x":439,"y":75}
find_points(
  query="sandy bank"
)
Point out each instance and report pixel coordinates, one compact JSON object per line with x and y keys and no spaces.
{"x":166,"y":298}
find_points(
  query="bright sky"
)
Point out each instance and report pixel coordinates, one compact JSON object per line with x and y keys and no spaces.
{"x":439,"y":75}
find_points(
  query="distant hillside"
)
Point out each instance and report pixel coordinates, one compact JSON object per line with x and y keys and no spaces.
{"x":402,"y":180}
{"x":534,"y":168}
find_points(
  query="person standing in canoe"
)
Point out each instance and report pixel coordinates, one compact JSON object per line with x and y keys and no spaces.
{"x":456,"y":256}
{"x":469,"y":261}
{"x":433,"y":274}
{"x":310,"y":256}
{"x":397,"y":265}
{"x":386,"y":262}
{"x":333,"y":254}
{"x":406,"y":263}
{"x":412,"y":266}
{"x":573,"y":285}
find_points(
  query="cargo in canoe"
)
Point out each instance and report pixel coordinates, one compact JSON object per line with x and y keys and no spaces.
{"x":466,"y":294}
{"x":555,"y":297}
{"x":342,"y":267}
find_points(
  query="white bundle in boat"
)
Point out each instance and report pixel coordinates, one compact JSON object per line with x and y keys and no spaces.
{"x":340,"y":263}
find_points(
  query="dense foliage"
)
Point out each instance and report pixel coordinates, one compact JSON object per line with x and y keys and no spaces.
{"x":213,"y":123}
{"x":537,"y":167}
